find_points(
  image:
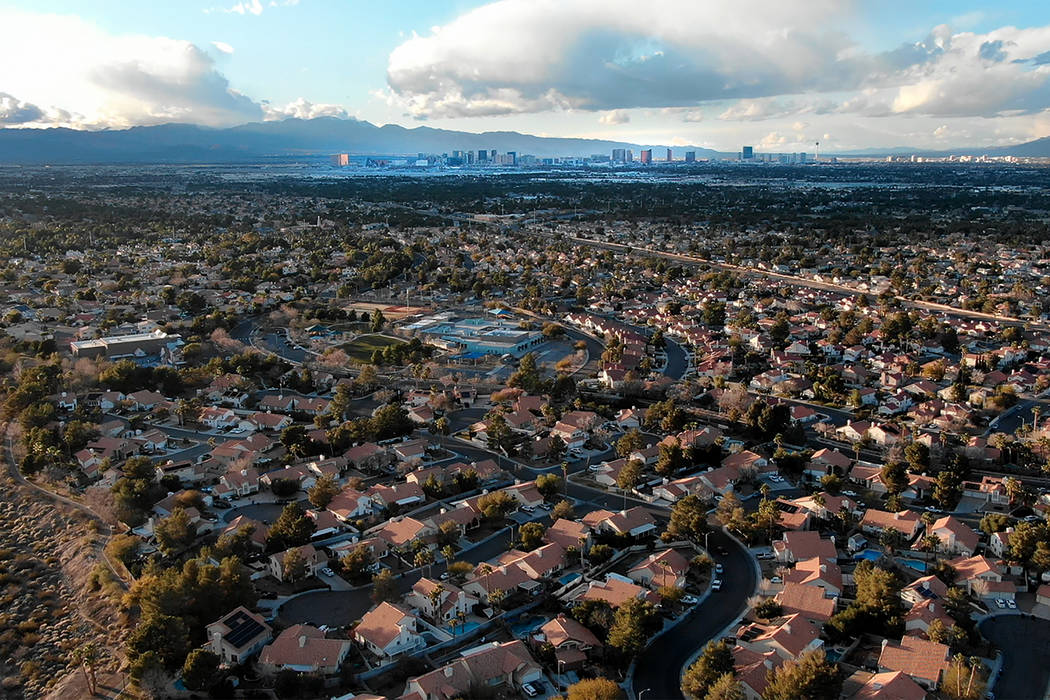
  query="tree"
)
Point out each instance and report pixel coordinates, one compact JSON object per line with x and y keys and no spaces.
{"x":556,"y":447}
{"x":964,"y":679}
{"x":87,"y":655}
{"x":562,"y":510}
{"x":594,"y":689}
{"x":548,"y":484}
{"x":895,"y":477}
{"x":768,"y":609}
{"x":714,"y":662}
{"x":629,"y":442}
{"x":689,"y":519}
{"x":629,"y":477}
{"x":917,"y":455}
{"x":355,"y":564}
{"x":811,"y":676}
{"x":164,"y":635}
{"x":284,"y":488}
{"x":199,"y":669}
{"x":832,"y":483}
{"x":994,"y":522}
{"x":496,"y":504}
{"x":293,"y":566}
{"x":377,"y":321}
{"x":948,"y":489}
{"x":671,"y":458}
{"x":629,"y":631}
{"x":175,"y":533}
{"x":384,"y":587}
{"x":499,"y":433}
{"x":531,"y":535}
{"x":727,"y":687}
{"x":424,"y":558}
{"x":323,"y":491}
{"x":291,"y":529}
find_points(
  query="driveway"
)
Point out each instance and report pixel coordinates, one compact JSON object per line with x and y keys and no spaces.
{"x":659,"y":668}
{"x":1025,"y":644}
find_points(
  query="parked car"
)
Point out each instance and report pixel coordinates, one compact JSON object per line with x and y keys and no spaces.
{"x":1000,"y":602}
{"x":716,"y":585}
{"x":1011,"y":603}
{"x":529,"y":689}
{"x":690,"y":599}
{"x":529,"y":509}
{"x":851,"y":494}
{"x":718,"y":568}
{"x":776,"y":579}
{"x":327,"y":571}
{"x":546,"y":506}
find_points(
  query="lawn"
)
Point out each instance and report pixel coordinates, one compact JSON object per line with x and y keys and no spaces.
{"x":362,"y":347}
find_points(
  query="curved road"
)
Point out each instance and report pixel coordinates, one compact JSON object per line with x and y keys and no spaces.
{"x":659,"y":668}
{"x":1025,"y":644}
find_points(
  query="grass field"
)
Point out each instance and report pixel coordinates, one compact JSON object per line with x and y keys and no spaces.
{"x":362,"y":347}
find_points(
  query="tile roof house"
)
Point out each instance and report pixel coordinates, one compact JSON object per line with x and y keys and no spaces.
{"x":304,"y":648}
{"x":315,"y":560}
{"x":571,"y":641}
{"x":799,"y":545}
{"x":956,"y":536}
{"x":388,"y":630}
{"x":917,"y":620}
{"x":490,"y":665}
{"x":890,"y":685}
{"x":752,"y":670}
{"x":924,"y":661}
{"x":666,"y":568}
{"x":439,"y":601}
{"x":807,"y":601}
{"x":923,"y":589}
{"x":907,"y":522}
{"x":617,"y":590}
{"x":569,"y":533}
{"x":788,"y":636}
{"x":238,"y":635}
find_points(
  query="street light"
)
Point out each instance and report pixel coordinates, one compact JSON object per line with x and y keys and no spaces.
{"x":642,"y":693}
{"x":561,"y":675}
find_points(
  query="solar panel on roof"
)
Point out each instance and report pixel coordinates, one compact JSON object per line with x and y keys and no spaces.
{"x":242,"y":628}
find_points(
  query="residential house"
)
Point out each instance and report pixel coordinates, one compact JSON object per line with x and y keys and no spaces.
{"x":907,"y":522}
{"x":439,"y":601}
{"x":956,"y":536}
{"x":305,"y":649}
{"x":666,"y":568}
{"x":491,"y":665}
{"x":388,"y":630}
{"x":238,"y":635}
{"x":572,"y":641}
{"x":315,"y":561}
{"x":890,"y":685}
{"x":922,"y":660}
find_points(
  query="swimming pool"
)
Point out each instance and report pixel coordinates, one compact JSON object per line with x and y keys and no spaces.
{"x":464,"y":628}
{"x":568,"y":578}
{"x":916,"y":564}
{"x":869,"y":554}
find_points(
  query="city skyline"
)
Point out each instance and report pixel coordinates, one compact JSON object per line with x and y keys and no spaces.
{"x":715,"y":75}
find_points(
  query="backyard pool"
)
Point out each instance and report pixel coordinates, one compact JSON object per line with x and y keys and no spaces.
{"x":868,"y":554}
{"x":463,"y":628}
{"x":916,"y":564}
{"x":527,"y":624}
{"x":568,"y":578}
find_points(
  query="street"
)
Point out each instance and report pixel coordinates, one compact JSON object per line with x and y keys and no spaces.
{"x":1025,"y":644}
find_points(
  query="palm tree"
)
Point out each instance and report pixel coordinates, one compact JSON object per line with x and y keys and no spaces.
{"x":1036,"y":412}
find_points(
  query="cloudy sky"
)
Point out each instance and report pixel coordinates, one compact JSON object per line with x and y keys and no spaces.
{"x":779,"y":74}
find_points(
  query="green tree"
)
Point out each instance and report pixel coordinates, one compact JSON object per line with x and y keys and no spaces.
{"x":164,"y":635}
{"x":175,"y":533}
{"x":291,"y":529}
{"x":629,"y":442}
{"x":531,"y":535}
{"x":378,"y":320}
{"x":994,"y":522}
{"x":595,"y":689}
{"x":811,"y":676}
{"x":496,"y":504}
{"x":630,"y":476}
{"x":323,"y":491}
{"x":727,"y":687}
{"x":384,"y":587}
{"x":548,"y":484}
{"x":714,"y":662}
{"x":355,"y":564}
{"x":671,"y":458}
{"x":199,"y":669}
{"x":895,"y":477}
{"x":293,"y":566}
{"x":630,"y":630}
{"x":688,"y":519}
{"x":562,"y":510}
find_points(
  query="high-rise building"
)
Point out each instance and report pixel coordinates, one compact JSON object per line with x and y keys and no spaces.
{"x":341,"y":160}
{"x":646,"y":157}
{"x":748,"y":153}
{"x":483,"y":156}
{"x":803,"y":158}
{"x":690,"y":156}
{"x":669,"y":156}
{"x":513,"y":157}
{"x":492,"y":154}
{"x":619,"y":155}
{"x":629,"y":156}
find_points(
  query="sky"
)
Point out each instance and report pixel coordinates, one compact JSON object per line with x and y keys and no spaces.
{"x":783,"y":75}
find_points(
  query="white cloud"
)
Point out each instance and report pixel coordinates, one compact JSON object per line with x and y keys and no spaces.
{"x":617,"y":116}
{"x":303,"y":109}
{"x":776,"y":59}
{"x":82,"y":76}
{"x":222,"y":46}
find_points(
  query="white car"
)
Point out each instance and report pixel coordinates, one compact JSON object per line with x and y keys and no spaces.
{"x":718,"y":568}
{"x":851,"y":494}
{"x":529,"y":689}
{"x":690,"y":599}
{"x":327,"y":571}
{"x":1012,"y":604}
{"x":776,"y":579}
{"x":1000,"y":602}
{"x":716,"y":585}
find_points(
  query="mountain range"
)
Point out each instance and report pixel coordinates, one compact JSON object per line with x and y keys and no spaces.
{"x":302,"y":138}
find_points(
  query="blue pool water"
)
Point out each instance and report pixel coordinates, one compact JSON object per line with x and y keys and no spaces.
{"x":527,"y":624}
{"x":467,"y":626}
{"x":869,"y":554}
{"x":914,"y":564}
{"x":833,"y":654}
{"x":568,"y":578}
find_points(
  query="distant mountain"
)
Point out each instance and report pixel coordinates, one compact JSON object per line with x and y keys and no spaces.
{"x":291,"y":138}
{"x":1040,"y":148}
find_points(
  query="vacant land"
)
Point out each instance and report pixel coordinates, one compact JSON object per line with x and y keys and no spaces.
{"x":362,"y":347}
